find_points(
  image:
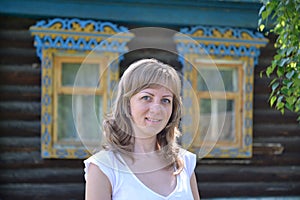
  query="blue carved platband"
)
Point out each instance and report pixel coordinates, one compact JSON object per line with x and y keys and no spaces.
{"x":68,"y":24}
{"x":208,"y":31}
{"x":81,"y":35}
{"x":220,"y":41}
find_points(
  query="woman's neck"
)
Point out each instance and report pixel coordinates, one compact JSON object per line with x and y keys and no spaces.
{"x":144,"y":145}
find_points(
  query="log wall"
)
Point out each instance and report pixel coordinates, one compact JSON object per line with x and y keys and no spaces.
{"x":274,"y":169}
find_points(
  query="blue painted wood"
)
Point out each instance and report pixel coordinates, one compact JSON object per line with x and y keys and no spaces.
{"x":243,"y":13}
{"x":45,"y":37}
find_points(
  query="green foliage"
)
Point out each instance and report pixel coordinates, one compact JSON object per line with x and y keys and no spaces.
{"x":284,"y":16}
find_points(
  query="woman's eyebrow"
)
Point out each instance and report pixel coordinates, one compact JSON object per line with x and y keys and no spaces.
{"x":168,"y":95}
{"x":148,"y":93}
{"x":151,"y":94}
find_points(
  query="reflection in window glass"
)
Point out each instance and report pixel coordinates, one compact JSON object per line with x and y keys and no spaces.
{"x":212,"y":113}
{"x":66,"y":130}
{"x":69,"y":71}
{"x":209,"y":79}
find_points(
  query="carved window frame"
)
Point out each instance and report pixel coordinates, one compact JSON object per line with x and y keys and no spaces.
{"x":58,"y":40}
{"x":223,"y":45}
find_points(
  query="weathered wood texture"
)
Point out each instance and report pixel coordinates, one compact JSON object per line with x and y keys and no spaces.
{"x":274,"y":169}
{"x":24,"y":174}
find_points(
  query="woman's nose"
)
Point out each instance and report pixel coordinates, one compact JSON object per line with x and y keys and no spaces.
{"x":155,"y":107}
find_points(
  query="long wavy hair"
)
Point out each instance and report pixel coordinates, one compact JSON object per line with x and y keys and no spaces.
{"x":117,"y":125}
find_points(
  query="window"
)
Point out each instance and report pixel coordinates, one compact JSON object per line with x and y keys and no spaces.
{"x":218,"y":63}
{"x":63,"y":45}
{"x":65,"y":72}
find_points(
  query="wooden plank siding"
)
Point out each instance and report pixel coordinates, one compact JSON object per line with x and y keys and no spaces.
{"x":274,"y":169}
{"x":24,"y":174}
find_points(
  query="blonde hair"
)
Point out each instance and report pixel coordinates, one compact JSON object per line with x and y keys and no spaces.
{"x":117,"y":127}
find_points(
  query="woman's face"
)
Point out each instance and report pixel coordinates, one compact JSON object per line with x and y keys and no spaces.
{"x":151,"y":109}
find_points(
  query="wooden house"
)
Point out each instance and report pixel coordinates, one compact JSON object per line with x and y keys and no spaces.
{"x":267,"y":166}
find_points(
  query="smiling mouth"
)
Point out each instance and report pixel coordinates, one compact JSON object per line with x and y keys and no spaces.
{"x":152,"y":120}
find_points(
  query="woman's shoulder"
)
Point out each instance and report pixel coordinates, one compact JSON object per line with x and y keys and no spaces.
{"x":187,"y":155}
{"x":101,"y":153}
{"x":103,"y":157}
{"x":189,"y":159}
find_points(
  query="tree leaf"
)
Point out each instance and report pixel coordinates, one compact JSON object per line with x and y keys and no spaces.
{"x":279,"y":72}
{"x":285,"y":88}
{"x":261,"y":27}
{"x":280,"y":98}
{"x":272,"y":101}
{"x":289,"y":84}
{"x":275,"y":85}
{"x":290,"y":100}
{"x":269,"y":71}
{"x":290,"y":74}
{"x":264,"y":14}
{"x":263,"y":7}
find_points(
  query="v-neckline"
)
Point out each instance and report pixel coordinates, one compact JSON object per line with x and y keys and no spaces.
{"x":145,"y":186}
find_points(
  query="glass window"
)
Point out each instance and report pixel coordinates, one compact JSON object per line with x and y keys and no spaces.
{"x":209,"y":54}
{"x":66,"y":130}
{"x":63,"y":45}
{"x":90,"y":98}
{"x":219,"y":92}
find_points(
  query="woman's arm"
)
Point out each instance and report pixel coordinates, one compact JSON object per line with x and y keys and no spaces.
{"x":98,"y":186}
{"x":194,"y":187}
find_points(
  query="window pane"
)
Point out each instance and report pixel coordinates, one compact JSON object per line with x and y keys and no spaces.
{"x":89,"y":74}
{"x":65,"y":123}
{"x":209,"y":79}
{"x":212,"y":113}
{"x":66,"y":130}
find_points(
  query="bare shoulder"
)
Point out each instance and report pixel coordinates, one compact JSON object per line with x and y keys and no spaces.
{"x":97,"y":184}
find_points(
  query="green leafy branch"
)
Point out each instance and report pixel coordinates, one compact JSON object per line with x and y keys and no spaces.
{"x":284,"y":16}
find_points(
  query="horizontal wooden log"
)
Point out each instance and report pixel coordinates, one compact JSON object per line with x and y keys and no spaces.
{"x":264,"y":60}
{"x":261,"y":85}
{"x":33,"y":159}
{"x":28,"y":75}
{"x":288,"y":144}
{"x":268,"y":148}
{"x":272,"y":116}
{"x":15,"y":35}
{"x":273,"y":130}
{"x":261,"y":101}
{"x":20,"y":93}
{"x":23,"y":55}
{"x":284,"y":159}
{"x":43,"y":175}
{"x":249,"y":189}
{"x":33,"y":67}
{"x":17,"y":144}
{"x":204,"y":174}
{"x":13,"y":128}
{"x":14,"y":160}
{"x":207,"y":190}
{"x":16,"y":38}
{"x":20,"y":106}
{"x":266,"y":54}
{"x":8,"y":22}
{"x":238,"y":173}
{"x":20,"y":110}
{"x":39,"y":191}
{"x":16,"y":51}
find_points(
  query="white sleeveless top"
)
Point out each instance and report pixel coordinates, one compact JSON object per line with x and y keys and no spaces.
{"x":126,"y":186}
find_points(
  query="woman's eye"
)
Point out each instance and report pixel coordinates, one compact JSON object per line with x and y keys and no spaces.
{"x":166,"y":101}
{"x":146,"y":98}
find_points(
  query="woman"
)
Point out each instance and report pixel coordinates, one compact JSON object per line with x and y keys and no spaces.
{"x":141,"y":159}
